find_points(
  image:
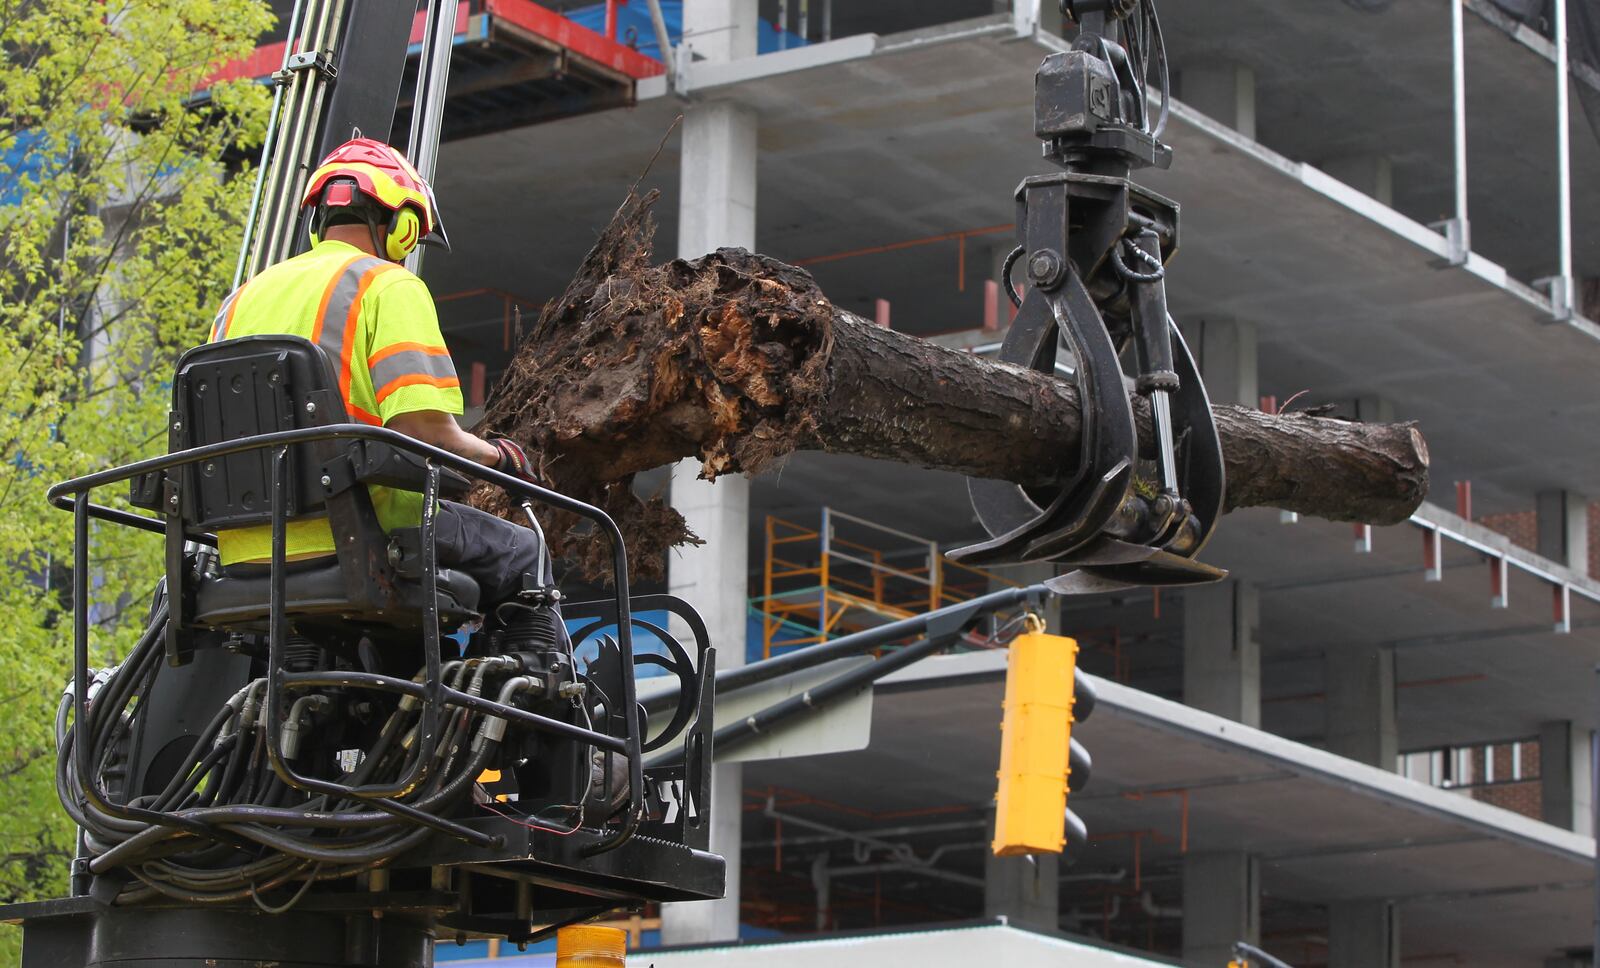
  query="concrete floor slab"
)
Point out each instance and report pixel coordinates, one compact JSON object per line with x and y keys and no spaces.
{"x":1326,"y":829}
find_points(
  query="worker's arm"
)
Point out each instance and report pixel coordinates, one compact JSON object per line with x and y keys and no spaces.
{"x":441,"y":430}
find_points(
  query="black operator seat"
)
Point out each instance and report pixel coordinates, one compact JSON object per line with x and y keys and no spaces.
{"x":256,"y":385}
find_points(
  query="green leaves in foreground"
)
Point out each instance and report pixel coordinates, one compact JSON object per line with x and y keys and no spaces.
{"x":119,"y":224}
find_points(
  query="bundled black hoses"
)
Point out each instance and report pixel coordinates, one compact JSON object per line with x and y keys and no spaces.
{"x":226,"y":827}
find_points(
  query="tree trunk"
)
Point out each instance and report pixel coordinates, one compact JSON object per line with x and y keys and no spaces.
{"x":741,"y":360}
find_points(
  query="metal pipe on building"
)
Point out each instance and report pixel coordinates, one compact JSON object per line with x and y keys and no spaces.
{"x":1459,"y":233}
{"x":1561,"y":290}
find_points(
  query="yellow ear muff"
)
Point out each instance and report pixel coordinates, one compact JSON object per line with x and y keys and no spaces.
{"x":405,"y":231}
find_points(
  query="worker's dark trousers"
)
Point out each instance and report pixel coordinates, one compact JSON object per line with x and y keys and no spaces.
{"x":494,"y":551}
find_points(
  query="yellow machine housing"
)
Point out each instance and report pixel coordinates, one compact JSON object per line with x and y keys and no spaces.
{"x":1035,"y":744}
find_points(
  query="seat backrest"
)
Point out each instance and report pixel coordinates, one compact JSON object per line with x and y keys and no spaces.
{"x":247,"y":387}
{"x":242,"y":388}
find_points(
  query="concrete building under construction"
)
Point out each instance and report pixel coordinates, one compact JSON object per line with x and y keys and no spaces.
{"x":1368,"y":747}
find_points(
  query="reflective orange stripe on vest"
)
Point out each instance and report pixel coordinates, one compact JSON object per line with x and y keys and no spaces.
{"x":219,"y":326}
{"x":407,"y":364}
{"x":338,"y":316}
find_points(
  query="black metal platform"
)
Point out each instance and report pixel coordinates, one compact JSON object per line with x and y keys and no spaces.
{"x":444,"y":890}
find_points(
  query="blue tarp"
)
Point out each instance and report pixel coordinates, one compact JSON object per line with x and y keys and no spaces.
{"x":22,"y":164}
{"x":634,"y":27}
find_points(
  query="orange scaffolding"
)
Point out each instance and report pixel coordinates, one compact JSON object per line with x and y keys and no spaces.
{"x":849,"y":574}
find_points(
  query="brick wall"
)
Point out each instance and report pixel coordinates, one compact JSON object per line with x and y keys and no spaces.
{"x":1594,"y":540}
{"x":1523,"y":798}
{"x":1522,"y":527}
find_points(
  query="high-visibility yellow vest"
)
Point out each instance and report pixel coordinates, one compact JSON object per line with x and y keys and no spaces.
{"x":376,"y":322}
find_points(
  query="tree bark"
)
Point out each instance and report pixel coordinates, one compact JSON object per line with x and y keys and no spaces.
{"x":740,"y":360}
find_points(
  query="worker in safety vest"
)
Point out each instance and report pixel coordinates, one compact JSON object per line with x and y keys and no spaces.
{"x":376,"y":321}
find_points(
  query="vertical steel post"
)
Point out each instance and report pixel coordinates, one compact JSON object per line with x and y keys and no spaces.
{"x":1458,"y":232}
{"x":822,"y":591}
{"x":827,"y":20}
{"x":427,"y":117}
{"x":1561,"y":288}
{"x":80,"y":654}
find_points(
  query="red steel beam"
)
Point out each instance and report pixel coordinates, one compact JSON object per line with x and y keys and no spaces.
{"x":527,"y":15}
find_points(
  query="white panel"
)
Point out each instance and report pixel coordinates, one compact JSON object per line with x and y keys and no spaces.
{"x":994,"y":946}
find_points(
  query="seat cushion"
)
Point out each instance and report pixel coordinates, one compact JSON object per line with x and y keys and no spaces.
{"x":233,"y":599}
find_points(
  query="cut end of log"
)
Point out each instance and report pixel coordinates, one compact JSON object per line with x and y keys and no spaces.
{"x":1324,"y":467}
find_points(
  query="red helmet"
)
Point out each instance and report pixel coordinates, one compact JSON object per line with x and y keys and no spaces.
{"x":382,"y":174}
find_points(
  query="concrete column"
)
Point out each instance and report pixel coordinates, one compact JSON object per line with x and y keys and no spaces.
{"x":1221,"y":905}
{"x":1566,"y":797}
{"x":1564,"y":529}
{"x":1225,"y":350}
{"x":1363,"y":934}
{"x":1222,"y":92}
{"x":1222,"y":651}
{"x":1360,"y":705}
{"x":718,"y":182}
{"x":717,"y":207}
{"x":713,"y":578}
{"x":1023,"y":890}
{"x":1369,"y":174}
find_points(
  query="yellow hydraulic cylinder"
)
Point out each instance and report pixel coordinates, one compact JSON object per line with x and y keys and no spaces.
{"x":591,"y":946}
{"x":1035,"y":737}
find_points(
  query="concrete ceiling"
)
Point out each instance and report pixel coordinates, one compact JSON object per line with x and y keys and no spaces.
{"x":1333,"y":82}
{"x":933,"y":140}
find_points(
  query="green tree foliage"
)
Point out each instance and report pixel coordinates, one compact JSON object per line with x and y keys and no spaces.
{"x":119,"y":221}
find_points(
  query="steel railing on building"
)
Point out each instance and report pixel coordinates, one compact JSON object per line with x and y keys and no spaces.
{"x":848,"y":574}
